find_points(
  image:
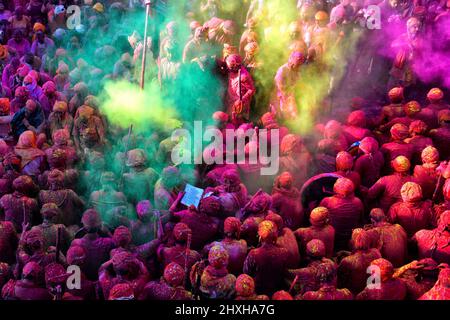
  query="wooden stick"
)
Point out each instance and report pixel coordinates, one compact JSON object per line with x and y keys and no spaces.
{"x":188,"y":246}
{"x":437,"y":187}
{"x":144,"y":53}
{"x":251,"y":199}
{"x":293,"y":284}
{"x":127,"y":146}
{"x":58,"y":243}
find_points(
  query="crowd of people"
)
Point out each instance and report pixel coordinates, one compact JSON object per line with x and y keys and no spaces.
{"x":359,"y":209}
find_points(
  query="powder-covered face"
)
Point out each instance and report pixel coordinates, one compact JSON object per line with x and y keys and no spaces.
{"x":17,"y":37}
{"x":394,"y":3}
{"x":30,"y":108}
{"x":40,"y":36}
{"x":200,"y":33}
{"x":295,"y":61}
{"x":413,"y":28}
{"x":233,"y":65}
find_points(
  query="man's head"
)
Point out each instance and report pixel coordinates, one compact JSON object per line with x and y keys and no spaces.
{"x":446,"y":190}
{"x":21,"y":93}
{"x":401,"y":164}
{"x":399,"y":132}
{"x":181,"y":232}
{"x":357,"y":119}
{"x":234,"y":62}
{"x":50,"y":211}
{"x":444,"y":278}
{"x":386,"y":268}
{"x":30,"y":107}
{"x":81,"y":90}
{"x":344,"y":161}
{"x":321,"y":18}
{"x":32,"y":271}
{"x":55,"y":274}
{"x":412,"y":107}
{"x":29,"y":82}
{"x":319,"y":217}
{"x":430,"y":155}
{"x":136,"y":158}
{"x":171,"y":177}
{"x":27,"y":140}
{"x":285,"y":180}
{"x":24,"y":185}
{"x":377,"y":215}
{"x":60,"y":108}
{"x":201,"y":33}
{"x":291,"y":144}
{"x":267,"y":231}
{"x":34,"y":240}
{"x":277,"y":219}
{"x":76,"y":255}
{"x":344,"y":187}
{"x":15,"y":63}
{"x":40,"y":36}
{"x":74,"y":43}
{"x":91,"y":221}
{"x":174,"y":274}
{"x":49,"y":88}
{"x":245,"y":285}
{"x":5,"y":273}
{"x":444,"y":118}
{"x":307,"y":12}
{"x":444,"y":221}
{"x":122,"y":236}
{"x":327,"y":273}
{"x":261,"y":203}
{"x":228,"y":27}
{"x":17,"y":36}
{"x":230,"y":178}
{"x":231,"y":227}
{"x":361,"y":239}
{"x":125,"y":264}
{"x":413,"y":26}
{"x":396,"y":95}
{"x":61,"y":137}
{"x":435,"y":95}
{"x":315,"y":249}
{"x":5,"y":106}
{"x":411,"y":192}
{"x":418,"y":128}
{"x":194,"y":25}
{"x":144,"y":210}
{"x":332,"y":130}
{"x":210,"y":206}
{"x":18,"y":12}
{"x":294,"y":30}
{"x":56,"y":179}
{"x":108,"y":180}
{"x":218,"y":257}
{"x":282,"y":295}
{"x":251,"y":49}
{"x":172,"y":29}
{"x":394,"y":3}
{"x":296,"y":59}
{"x":121,"y":291}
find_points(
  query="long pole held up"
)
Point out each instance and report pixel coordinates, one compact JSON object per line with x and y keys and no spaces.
{"x":144,"y":53}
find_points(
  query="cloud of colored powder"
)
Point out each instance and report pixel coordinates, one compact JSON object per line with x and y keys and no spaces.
{"x":125,"y":104}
